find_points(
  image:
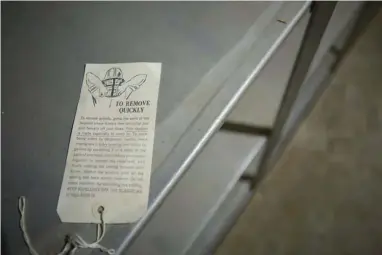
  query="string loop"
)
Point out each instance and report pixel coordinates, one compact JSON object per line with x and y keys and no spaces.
{"x":73,"y":243}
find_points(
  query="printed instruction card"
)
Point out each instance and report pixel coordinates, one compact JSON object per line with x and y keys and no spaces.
{"x":111,"y":147}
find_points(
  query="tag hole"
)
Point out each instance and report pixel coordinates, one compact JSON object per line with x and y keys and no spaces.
{"x":101,"y":209}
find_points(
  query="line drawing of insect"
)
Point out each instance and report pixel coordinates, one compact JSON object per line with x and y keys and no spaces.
{"x":113,"y":85}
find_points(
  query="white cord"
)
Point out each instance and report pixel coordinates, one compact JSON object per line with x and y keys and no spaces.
{"x":79,"y":242}
{"x":23,"y":227}
{"x":73,"y":243}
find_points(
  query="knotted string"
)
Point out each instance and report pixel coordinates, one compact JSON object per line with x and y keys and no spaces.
{"x":72,"y":243}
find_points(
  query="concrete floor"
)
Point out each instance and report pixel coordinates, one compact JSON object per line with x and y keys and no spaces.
{"x":325,"y":194}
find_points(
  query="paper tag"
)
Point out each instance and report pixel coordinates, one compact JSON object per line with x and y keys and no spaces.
{"x":111,"y":146}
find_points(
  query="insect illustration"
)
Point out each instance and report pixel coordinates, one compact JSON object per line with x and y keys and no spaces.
{"x":113,"y":85}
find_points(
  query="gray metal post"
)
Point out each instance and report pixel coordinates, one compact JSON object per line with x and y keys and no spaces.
{"x":321,"y":14}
